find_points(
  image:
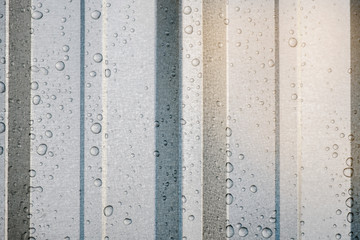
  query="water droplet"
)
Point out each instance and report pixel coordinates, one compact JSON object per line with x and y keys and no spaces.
{"x":60,"y":65}
{"x":98,"y":183}
{"x":2,"y":87}
{"x":65,"y":48}
{"x":350,"y":217}
{"x":107,"y":72}
{"x":96,"y":128}
{"x":349,"y":202}
{"x":94,"y":151}
{"x":98,"y":57}
{"x":108,"y":211}
{"x":48,"y":133}
{"x":241,"y":156}
{"x":338,"y":236}
{"x":266,"y":232}
{"x":253,"y":188}
{"x":183,"y":199}
{"x":127,"y":221}
{"x":294,"y":96}
{"x":243,"y":232}
{"x":191,"y":217}
{"x":156,"y":153}
{"x":229,"y":167}
{"x":95,"y":14}
{"x":187,"y":10}
{"x":188,"y":29}
{"x":2,"y":127}
{"x":229,"y":199}
{"x":41,"y":149}
{"x":195,"y":62}
{"x":228,"y":132}
{"x":32,"y":173}
{"x":348,"y":172}
{"x":36,"y":15}
{"x":34,"y":86}
{"x":36,"y":99}
{"x":338,"y":212}
{"x":229,"y":183}
{"x":229,"y":231}
{"x":292,"y":42}
{"x":1,"y":150}
{"x":36,"y":189}
{"x":271,"y":63}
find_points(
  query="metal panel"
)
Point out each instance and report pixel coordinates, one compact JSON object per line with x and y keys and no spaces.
{"x":191,"y":119}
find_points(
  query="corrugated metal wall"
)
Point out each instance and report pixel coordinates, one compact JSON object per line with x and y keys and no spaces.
{"x":179,"y":119}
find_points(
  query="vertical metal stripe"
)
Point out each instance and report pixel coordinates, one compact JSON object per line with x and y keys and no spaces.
{"x":214,"y":119}
{"x":167,"y":114}
{"x":277,"y":123}
{"x":19,"y":118}
{"x":82,"y":113}
{"x":353,"y":202}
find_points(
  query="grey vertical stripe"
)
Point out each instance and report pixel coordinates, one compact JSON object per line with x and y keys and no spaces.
{"x":167,"y":110}
{"x":353,"y":202}
{"x":19,"y":119}
{"x":214,"y":117}
{"x":277,"y":123}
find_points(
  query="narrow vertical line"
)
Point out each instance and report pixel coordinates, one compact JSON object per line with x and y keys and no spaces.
{"x":227,"y":98}
{"x":277,"y":123}
{"x":82,"y":113}
{"x":355,"y":120}
{"x":6,"y":152}
{"x":299,"y":119}
{"x":180,"y":178}
{"x":104,"y":90}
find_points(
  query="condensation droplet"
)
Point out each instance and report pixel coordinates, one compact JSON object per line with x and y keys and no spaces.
{"x":253,"y":188}
{"x":243,"y":232}
{"x":2,"y":87}
{"x":349,"y":202}
{"x":36,"y":99}
{"x":229,"y":183}
{"x":96,"y":128}
{"x":188,"y":29}
{"x":266,"y":232}
{"x":95,"y":14}
{"x":65,"y":48}
{"x":94,"y":151}
{"x":348,"y":172}
{"x":36,"y":15}
{"x":108,"y":211}
{"x":350,"y":217}
{"x":229,"y":167}
{"x":2,"y":127}
{"x":41,"y":149}
{"x":127,"y":221}
{"x":98,"y":57}
{"x":98,"y":183}
{"x":229,"y":198}
{"x":187,"y":10}
{"x":292,"y":42}
{"x":107,"y":73}
{"x":271,"y":63}
{"x":195,"y":62}
{"x":229,"y":231}
{"x":48,"y":133}
{"x":60,"y":65}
